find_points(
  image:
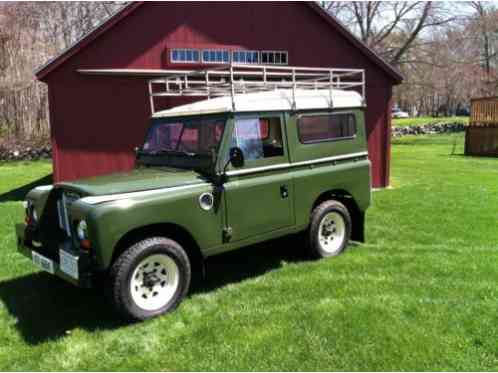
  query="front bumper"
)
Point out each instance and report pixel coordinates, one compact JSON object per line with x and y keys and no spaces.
{"x":26,"y":247}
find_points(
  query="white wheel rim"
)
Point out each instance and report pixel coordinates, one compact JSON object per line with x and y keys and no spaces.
{"x":154,"y":282}
{"x":332,"y":233}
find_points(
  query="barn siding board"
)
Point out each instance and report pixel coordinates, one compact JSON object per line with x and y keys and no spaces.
{"x":97,"y":121}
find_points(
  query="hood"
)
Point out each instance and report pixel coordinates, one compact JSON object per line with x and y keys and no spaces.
{"x":134,"y":181}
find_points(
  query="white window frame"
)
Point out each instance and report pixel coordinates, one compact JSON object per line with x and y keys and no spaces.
{"x":216,"y":62}
{"x":231,"y":54}
{"x":274,"y":52}
{"x":172,"y":50}
{"x":247,"y":52}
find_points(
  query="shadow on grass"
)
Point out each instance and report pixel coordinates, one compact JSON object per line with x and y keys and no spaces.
{"x":46,"y":307}
{"x":253,"y":261}
{"x":471,"y":156}
{"x":19,"y":194}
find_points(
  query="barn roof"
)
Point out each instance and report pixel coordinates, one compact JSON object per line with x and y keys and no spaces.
{"x":124,"y":12}
{"x":278,"y":100}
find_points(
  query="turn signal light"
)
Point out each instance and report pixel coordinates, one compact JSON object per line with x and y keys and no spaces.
{"x":85,"y":244}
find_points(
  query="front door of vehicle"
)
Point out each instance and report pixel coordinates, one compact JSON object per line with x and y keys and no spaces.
{"x":259,"y":195}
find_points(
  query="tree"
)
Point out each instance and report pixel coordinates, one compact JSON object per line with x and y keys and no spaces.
{"x":446,"y":55}
{"x":391,"y":28}
{"x":483,"y":27}
{"x":30,"y":34}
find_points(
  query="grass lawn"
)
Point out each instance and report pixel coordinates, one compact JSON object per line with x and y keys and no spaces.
{"x":417,"y":121}
{"x":421,"y":294}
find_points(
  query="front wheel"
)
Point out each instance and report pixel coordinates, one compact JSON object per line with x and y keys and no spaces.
{"x":330,"y":229}
{"x":150,"y":278}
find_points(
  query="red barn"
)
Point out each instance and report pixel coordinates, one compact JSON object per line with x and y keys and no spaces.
{"x":97,"y":121}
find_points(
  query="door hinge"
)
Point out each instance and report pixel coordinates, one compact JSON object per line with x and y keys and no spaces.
{"x":284,"y":191}
{"x":227,"y":234}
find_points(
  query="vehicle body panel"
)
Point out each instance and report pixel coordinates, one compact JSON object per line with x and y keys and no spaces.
{"x":264,"y":199}
{"x":137,"y":180}
{"x":255,"y":204}
{"x":109,"y":222}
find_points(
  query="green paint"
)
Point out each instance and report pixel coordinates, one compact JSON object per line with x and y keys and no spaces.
{"x":264,"y":199}
{"x":137,"y":180}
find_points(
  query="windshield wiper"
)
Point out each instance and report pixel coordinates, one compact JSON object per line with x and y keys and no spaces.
{"x":165,"y":151}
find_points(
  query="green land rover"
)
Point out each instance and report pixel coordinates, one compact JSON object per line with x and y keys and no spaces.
{"x":211,"y":176}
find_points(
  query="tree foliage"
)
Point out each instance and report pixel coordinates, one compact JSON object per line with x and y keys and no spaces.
{"x":445,"y":50}
{"x":30,"y":34}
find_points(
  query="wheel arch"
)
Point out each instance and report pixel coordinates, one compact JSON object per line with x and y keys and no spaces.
{"x":168,"y":230}
{"x":347,"y":199}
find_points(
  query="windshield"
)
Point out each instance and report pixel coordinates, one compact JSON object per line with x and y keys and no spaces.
{"x":191,"y":136}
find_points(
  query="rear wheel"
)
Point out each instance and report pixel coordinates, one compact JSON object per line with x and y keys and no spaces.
{"x":150,"y":278}
{"x":330,"y":229}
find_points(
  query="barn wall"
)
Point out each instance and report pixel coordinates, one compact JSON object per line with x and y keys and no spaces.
{"x":97,"y":121}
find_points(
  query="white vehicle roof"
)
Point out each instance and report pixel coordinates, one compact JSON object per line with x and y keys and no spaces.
{"x":276,"y":100}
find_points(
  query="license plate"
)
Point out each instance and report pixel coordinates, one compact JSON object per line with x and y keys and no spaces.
{"x":42,"y":262}
{"x":68,"y":264}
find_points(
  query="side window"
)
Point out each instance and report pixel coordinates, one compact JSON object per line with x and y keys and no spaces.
{"x":327,"y":127}
{"x":259,"y":138}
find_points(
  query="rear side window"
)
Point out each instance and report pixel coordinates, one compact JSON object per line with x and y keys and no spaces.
{"x":326,"y":127}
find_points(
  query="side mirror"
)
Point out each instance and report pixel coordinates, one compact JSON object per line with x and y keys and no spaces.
{"x":236,"y":157}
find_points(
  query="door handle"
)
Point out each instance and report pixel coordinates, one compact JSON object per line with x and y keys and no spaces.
{"x":284,"y":191}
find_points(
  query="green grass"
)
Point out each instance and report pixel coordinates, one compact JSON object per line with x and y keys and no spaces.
{"x":418,"y":121}
{"x":421,"y":294}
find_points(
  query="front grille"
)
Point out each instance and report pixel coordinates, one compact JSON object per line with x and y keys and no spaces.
{"x":63,"y":205}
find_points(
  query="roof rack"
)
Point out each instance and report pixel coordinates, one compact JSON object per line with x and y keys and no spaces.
{"x":233,"y":79}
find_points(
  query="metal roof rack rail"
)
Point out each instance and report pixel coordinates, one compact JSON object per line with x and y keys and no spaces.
{"x":233,"y":79}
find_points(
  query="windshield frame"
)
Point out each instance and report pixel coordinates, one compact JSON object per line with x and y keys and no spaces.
{"x":172,"y":158}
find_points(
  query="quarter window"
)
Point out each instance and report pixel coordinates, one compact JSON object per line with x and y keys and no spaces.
{"x":185,"y":55}
{"x":329,"y":127}
{"x":215,"y":56}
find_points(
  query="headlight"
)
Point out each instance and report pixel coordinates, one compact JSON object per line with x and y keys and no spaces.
{"x":31,"y":215}
{"x":82,"y":230}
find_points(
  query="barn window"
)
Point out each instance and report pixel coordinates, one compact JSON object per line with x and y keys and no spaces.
{"x":326,"y":127}
{"x":274,"y":57}
{"x":215,"y":56}
{"x":247,"y":57}
{"x":184,"y":55}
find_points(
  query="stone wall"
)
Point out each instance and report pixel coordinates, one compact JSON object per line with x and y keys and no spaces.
{"x":428,"y":129}
{"x":22,"y":151}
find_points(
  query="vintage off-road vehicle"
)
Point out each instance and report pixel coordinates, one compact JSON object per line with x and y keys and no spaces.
{"x":271,"y":152}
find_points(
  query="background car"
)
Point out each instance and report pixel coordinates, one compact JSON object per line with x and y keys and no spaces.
{"x":399,"y":114}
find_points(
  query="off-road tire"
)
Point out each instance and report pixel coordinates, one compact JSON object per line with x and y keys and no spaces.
{"x":314,"y":247}
{"x":122,"y":270}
